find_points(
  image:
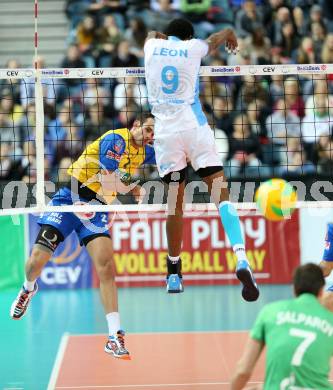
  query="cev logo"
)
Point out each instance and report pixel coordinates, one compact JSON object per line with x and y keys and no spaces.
{"x":67,"y":256}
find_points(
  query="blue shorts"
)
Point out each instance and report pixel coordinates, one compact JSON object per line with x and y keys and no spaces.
{"x":328,"y":251}
{"x":85,"y":224}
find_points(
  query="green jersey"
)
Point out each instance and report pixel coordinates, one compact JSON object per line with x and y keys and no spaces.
{"x":298,"y":334}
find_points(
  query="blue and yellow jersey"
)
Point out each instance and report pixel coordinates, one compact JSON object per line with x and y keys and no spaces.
{"x":111,"y":152}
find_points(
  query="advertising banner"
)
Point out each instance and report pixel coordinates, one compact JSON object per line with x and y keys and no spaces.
{"x":12,"y":252}
{"x":70,"y":267}
{"x":140,"y":249}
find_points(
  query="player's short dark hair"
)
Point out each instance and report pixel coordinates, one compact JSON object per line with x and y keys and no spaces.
{"x":308,"y":278}
{"x":143,"y":116}
{"x":180,"y":28}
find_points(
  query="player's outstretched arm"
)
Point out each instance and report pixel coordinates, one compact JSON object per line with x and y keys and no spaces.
{"x":246,"y":364}
{"x":227,"y":37}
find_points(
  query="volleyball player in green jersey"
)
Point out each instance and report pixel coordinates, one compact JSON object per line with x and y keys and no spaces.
{"x":298,"y":335}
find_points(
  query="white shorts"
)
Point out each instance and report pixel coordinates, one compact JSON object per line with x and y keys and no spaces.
{"x":174,"y":149}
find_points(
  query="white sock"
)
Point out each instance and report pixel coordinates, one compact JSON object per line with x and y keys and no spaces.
{"x":173,"y":259}
{"x":113,"y":320}
{"x":239,"y":251}
{"x":29,"y":286}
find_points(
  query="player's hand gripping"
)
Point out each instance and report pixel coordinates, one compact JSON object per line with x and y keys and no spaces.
{"x":231,"y":44}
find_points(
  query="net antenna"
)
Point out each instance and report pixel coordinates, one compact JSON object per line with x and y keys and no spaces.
{"x":39,"y":136}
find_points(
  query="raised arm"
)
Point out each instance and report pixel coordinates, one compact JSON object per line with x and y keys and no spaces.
{"x":155,"y":35}
{"x":227,"y":37}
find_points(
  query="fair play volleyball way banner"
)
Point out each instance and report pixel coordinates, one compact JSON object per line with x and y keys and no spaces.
{"x":140,"y":249}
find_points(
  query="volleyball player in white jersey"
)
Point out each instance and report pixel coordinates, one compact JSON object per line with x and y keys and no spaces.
{"x":172,"y":64}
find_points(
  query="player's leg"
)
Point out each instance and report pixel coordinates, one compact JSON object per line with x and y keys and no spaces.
{"x":207,"y":163}
{"x":48,"y":238}
{"x":175,"y":184}
{"x":171,"y":164}
{"x":55,"y":227}
{"x":94,"y":235}
{"x":217,"y":187}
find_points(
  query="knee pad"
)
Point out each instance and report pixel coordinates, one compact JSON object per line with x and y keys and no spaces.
{"x":208,"y":171}
{"x":175,"y":177}
{"x":49,"y":237}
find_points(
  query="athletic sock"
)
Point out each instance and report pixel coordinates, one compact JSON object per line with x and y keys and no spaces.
{"x":173,"y":259}
{"x":29,"y":286}
{"x":240,"y":253}
{"x":231,"y":224}
{"x":113,"y":320}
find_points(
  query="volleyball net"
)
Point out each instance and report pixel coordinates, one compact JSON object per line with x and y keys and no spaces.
{"x":268,"y":121}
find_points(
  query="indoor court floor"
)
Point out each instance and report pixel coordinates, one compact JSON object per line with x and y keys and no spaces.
{"x":188,"y":341}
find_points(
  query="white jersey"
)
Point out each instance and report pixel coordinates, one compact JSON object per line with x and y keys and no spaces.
{"x":172,"y":76}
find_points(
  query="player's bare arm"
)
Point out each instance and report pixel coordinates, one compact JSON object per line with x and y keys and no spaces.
{"x":246,"y":364}
{"x":227,"y":37}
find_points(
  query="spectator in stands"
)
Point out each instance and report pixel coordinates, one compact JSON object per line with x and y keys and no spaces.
{"x":161,"y":15}
{"x":293,"y":97}
{"x":86,"y":40}
{"x":247,"y":19}
{"x":126,"y":116}
{"x":325,"y":155}
{"x":136,"y":35}
{"x":75,"y":11}
{"x":69,"y":86}
{"x":197,"y":13}
{"x":96,"y":124}
{"x":317,"y":85}
{"x":123,"y":57}
{"x":278,"y":18}
{"x":299,"y":20}
{"x":318,"y":33}
{"x":107,"y":38}
{"x":94,"y":92}
{"x":137,"y":8}
{"x":327,"y":51}
{"x":258,"y":45}
{"x":257,"y":111}
{"x":317,"y":122}
{"x":223,"y":114}
{"x":276,"y":87}
{"x":131,"y":90}
{"x":289,"y":41}
{"x":283,"y":123}
{"x":305,"y":53}
{"x":244,"y":149}
{"x":294,"y":161}
{"x":251,"y":90}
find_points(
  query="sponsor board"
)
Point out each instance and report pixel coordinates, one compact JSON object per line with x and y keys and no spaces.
{"x":140,"y":249}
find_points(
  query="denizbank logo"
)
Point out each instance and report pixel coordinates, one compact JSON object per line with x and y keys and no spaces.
{"x":137,"y":71}
{"x":225,"y":69}
{"x":312,"y":68}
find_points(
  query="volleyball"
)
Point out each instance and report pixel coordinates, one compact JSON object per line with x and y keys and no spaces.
{"x":276,"y":199}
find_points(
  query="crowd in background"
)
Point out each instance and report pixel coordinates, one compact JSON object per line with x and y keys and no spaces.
{"x":264,"y":126}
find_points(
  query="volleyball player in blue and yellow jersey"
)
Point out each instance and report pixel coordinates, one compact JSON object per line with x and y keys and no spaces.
{"x":103,"y":169}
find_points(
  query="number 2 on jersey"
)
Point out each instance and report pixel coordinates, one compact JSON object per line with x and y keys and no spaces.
{"x":309,"y":338}
{"x":170,"y":79}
